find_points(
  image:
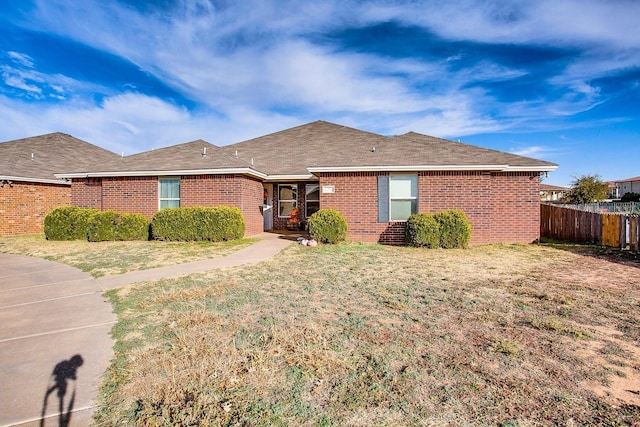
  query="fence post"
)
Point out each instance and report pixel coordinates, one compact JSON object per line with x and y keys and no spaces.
{"x":623,"y":231}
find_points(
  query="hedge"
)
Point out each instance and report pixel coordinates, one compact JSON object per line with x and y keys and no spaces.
{"x":448,"y":229}
{"x":102,"y":226}
{"x":68,"y":223}
{"x":132,"y":226}
{"x":74,"y":223}
{"x":327,"y":226}
{"x":190,"y":224}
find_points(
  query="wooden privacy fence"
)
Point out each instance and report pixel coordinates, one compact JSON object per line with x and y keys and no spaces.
{"x":616,"y":230}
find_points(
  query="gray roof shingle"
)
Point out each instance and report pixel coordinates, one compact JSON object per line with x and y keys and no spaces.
{"x":326,"y":145}
{"x":313,"y":147}
{"x":38,"y":158}
{"x":181,"y":157}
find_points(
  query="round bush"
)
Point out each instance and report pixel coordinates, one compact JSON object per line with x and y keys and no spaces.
{"x":102,"y":226}
{"x":132,"y":227}
{"x":455,"y":229}
{"x":327,"y":226}
{"x":422,"y":230}
{"x":68,"y":223}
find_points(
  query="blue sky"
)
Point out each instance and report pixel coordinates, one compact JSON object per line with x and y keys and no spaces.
{"x":557,"y":80}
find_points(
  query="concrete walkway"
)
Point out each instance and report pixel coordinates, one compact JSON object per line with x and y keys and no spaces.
{"x":54,"y":339}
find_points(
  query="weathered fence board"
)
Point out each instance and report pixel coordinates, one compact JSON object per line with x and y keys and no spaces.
{"x":570,"y":224}
{"x":574,"y":225}
{"x":611,"y":230}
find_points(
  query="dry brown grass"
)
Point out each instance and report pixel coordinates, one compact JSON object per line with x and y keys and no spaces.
{"x":109,"y":258}
{"x":364,"y":335}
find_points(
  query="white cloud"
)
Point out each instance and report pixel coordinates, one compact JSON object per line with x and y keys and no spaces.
{"x":21,"y":58}
{"x":532,"y":151}
{"x":252,"y":67}
{"x":132,"y":123}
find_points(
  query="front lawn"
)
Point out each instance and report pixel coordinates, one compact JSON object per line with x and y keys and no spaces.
{"x":358,"y":334}
{"x":109,"y":258}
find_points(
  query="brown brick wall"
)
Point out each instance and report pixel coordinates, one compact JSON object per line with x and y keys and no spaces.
{"x":356,"y":198}
{"x":502,"y":207}
{"x":140,"y":195}
{"x":87,"y":193}
{"x":24,"y":206}
{"x":229,"y":190}
{"x":131,"y":195}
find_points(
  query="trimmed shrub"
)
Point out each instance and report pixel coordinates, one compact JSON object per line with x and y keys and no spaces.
{"x":132,"y":227}
{"x":455,"y":229}
{"x":327,"y":226}
{"x":188,"y":224}
{"x":102,"y":226}
{"x":423,"y":230}
{"x":68,"y":223}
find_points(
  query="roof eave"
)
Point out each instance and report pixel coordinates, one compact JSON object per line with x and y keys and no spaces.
{"x":34,"y":180}
{"x":107,"y":174}
{"x":414,"y":168}
{"x":298,"y":177}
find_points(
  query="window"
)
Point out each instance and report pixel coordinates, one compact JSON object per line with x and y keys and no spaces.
{"x":397,"y":197}
{"x":312,"y":197}
{"x":169,"y":192}
{"x":287,"y":199}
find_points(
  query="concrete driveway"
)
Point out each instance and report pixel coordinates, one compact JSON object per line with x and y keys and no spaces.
{"x":54,"y":342}
{"x":54,"y":331}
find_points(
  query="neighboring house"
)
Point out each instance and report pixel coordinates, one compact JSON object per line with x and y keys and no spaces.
{"x":552,"y":193}
{"x":375,"y":181}
{"x":28,"y":188}
{"x":629,"y":185}
{"x":612,"y":190}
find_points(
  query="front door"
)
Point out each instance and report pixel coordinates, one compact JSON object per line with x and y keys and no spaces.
{"x":267,"y":207}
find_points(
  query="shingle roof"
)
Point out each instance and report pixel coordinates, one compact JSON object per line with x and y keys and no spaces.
{"x":323,"y":145}
{"x":316,"y":147}
{"x":549,"y":187}
{"x":196,"y":155}
{"x":38,"y":158}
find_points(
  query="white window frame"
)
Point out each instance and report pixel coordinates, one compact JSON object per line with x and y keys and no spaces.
{"x":413,"y":197}
{"x":307,"y":200}
{"x":168,"y":199}
{"x":295,"y":200}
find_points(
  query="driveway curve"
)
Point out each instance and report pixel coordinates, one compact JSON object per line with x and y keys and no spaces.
{"x":54,"y":342}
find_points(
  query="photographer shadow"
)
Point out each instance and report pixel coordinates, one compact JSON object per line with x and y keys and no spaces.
{"x":64,"y":377}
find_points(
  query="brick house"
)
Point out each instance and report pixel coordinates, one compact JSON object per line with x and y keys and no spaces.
{"x":375,"y":181}
{"x":553,"y":193}
{"x":28,"y":187}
